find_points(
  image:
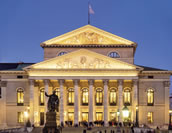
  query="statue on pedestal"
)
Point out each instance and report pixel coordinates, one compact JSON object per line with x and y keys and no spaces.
{"x":53,"y":102}
{"x":53,"y":106}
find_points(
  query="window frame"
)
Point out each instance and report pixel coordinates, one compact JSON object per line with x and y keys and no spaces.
{"x":99,"y":91}
{"x":151,"y":117}
{"x":20,"y":96}
{"x":113,"y":54}
{"x":151,"y":91}
{"x":19,"y":114}
{"x":42,"y":90}
{"x":82,"y":96}
{"x":115,"y":91}
{"x":128,"y":91}
{"x":72,"y":96}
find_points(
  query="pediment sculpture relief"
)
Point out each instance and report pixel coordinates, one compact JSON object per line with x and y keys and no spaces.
{"x":87,"y":38}
{"x":83,"y":62}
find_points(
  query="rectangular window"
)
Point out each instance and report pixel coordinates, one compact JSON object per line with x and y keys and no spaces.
{"x":150,"y":117}
{"x":127,"y":98}
{"x":112,"y":98}
{"x":99,"y":116}
{"x":84,"y":116}
{"x":20,"y":117}
{"x":70,"y":116}
{"x":113,"y":116}
{"x":19,"y":76}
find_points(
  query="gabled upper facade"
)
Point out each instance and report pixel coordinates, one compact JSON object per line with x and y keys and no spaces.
{"x":91,"y":38}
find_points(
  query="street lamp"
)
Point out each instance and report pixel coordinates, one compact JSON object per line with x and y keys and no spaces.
{"x":137,"y":122}
{"x":170,"y":126}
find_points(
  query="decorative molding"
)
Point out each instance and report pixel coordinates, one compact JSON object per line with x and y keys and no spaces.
{"x":167,"y":84}
{"x":91,"y":81}
{"x":3,"y":83}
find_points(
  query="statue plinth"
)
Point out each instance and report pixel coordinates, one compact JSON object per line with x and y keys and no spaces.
{"x":50,"y":125}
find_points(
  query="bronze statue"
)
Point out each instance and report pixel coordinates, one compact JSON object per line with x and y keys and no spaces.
{"x":53,"y":102}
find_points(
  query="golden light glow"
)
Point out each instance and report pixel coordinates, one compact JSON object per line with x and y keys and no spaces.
{"x":113,"y":96}
{"x":85,"y":96}
{"x":70,"y":116}
{"x":150,"y":117}
{"x":99,"y":116}
{"x":88,"y":35}
{"x":99,"y":96}
{"x":42,"y":97}
{"x":150,"y":96}
{"x":84,"y":116}
{"x":127,"y":96}
{"x":26,"y":114}
{"x":170,"y":111}
{"x":20,"y":117}
{"x":125,"y":112}
{"x":70,"y":96}
{"x":20,"y":96}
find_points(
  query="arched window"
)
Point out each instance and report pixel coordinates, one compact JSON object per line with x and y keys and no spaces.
{"x":20,"y":97}
{"x":112,"y":96}
{"x":150,"y":96}
{"x":62,"y":53}
{"x":70,"y":96}
{"x":127,"y":97}
{"x":85,"y":96}
{"x":114,"y":55}
{"x":42,"y":97}
{"x":57,"y":90}
{"x":99,"y":96}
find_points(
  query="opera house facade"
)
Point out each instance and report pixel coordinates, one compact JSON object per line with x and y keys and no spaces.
{"x":95,"y":78}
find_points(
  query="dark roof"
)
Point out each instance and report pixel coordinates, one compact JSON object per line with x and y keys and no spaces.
{"x":145,"y":68}
{"x":13,"y":66}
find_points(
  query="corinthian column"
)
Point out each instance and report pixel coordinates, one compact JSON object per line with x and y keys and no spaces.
{"x":105,"y":102}
{"x":135,"y":98}
{"x":76,"y":105}
{"x":90,"y":82}
{"x":46,"y":82}
{"x":61,"y":82}
{"x":120,"y":99}
{"x":31,"y":101}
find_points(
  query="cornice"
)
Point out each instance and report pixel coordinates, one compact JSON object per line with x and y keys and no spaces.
{"x":13,"y":72}
{"x":156,"y":72}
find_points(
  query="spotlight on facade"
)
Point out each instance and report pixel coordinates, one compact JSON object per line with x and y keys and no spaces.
{"x":125,"y":112}
{"x":26,"y":115}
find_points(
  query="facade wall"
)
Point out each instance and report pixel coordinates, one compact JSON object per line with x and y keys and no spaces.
{"x":126,"y":54}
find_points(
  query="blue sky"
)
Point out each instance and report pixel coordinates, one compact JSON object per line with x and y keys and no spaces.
{"x":24,"y":24}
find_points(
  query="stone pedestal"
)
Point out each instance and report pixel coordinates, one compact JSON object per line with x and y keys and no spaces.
{"x":50,"y":125}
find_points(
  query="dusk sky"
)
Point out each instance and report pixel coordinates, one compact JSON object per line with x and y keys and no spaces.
{"x":24,"y":24}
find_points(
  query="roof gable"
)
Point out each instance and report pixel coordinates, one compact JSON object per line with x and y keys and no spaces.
{"x":88,"y":35}
{"x":83,"y":59}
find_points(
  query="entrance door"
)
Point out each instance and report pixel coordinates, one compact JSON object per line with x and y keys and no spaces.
{"x":85,"y":116}
{"x":71,"y":116}
{"x":41,"y":118}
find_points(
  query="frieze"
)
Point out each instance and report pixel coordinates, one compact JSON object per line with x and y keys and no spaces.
{"x":83,"y":62}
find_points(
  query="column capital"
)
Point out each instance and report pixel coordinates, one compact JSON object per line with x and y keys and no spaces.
{"x":135,"y":81}
{"x":76,"y":81}
{"x":46,"y":81}
{"x":90,"y":81}
{"x":61,"y":81}
{"x":31,"y":81}
{"x":120,"y":81}
{"x":105,"y":81}
{"x":166,"y":83}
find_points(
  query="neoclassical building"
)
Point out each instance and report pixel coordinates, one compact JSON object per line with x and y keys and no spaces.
{"x":95,"y":78}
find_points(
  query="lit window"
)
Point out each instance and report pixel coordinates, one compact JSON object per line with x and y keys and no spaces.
{"x":99,"y":96}
{"x":112,"y":97}
{"x":150,"y":117}
{"x":70,"y":116}
{"x":99,"y":116}
{"x":85,"y":96}
{"x":20,"y":117}
{"x":127,"y":97}
{"x":84,"y":116}
{"x":61,"y":53}
{"x":20,"y":97}
{"x":113,"y":116}
{"x":42,"y":97}
{"x":57,"y":90}
{"x":114,"y":55}
{"x":71,"y":96}
{"x":150,"y":95}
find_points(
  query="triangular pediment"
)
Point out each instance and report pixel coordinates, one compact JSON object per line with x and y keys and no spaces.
{"x":88,"y":35}
{"x":82,"y":59}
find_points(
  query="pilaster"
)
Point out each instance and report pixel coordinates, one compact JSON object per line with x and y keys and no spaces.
{"x":166,"y":88}
{"x":120,"y":98}
{"x":91,"y":91}
{"x":105,"y":101}
{"x":135,"y":98}
{"x":76,"y":105}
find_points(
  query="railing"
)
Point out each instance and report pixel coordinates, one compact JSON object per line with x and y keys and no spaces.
{"x":10,"y":130}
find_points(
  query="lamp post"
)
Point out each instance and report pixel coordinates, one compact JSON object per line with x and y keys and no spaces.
{"x":125,"y":112}
{"x":137,"y":122}
{"x":170,"y":126}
